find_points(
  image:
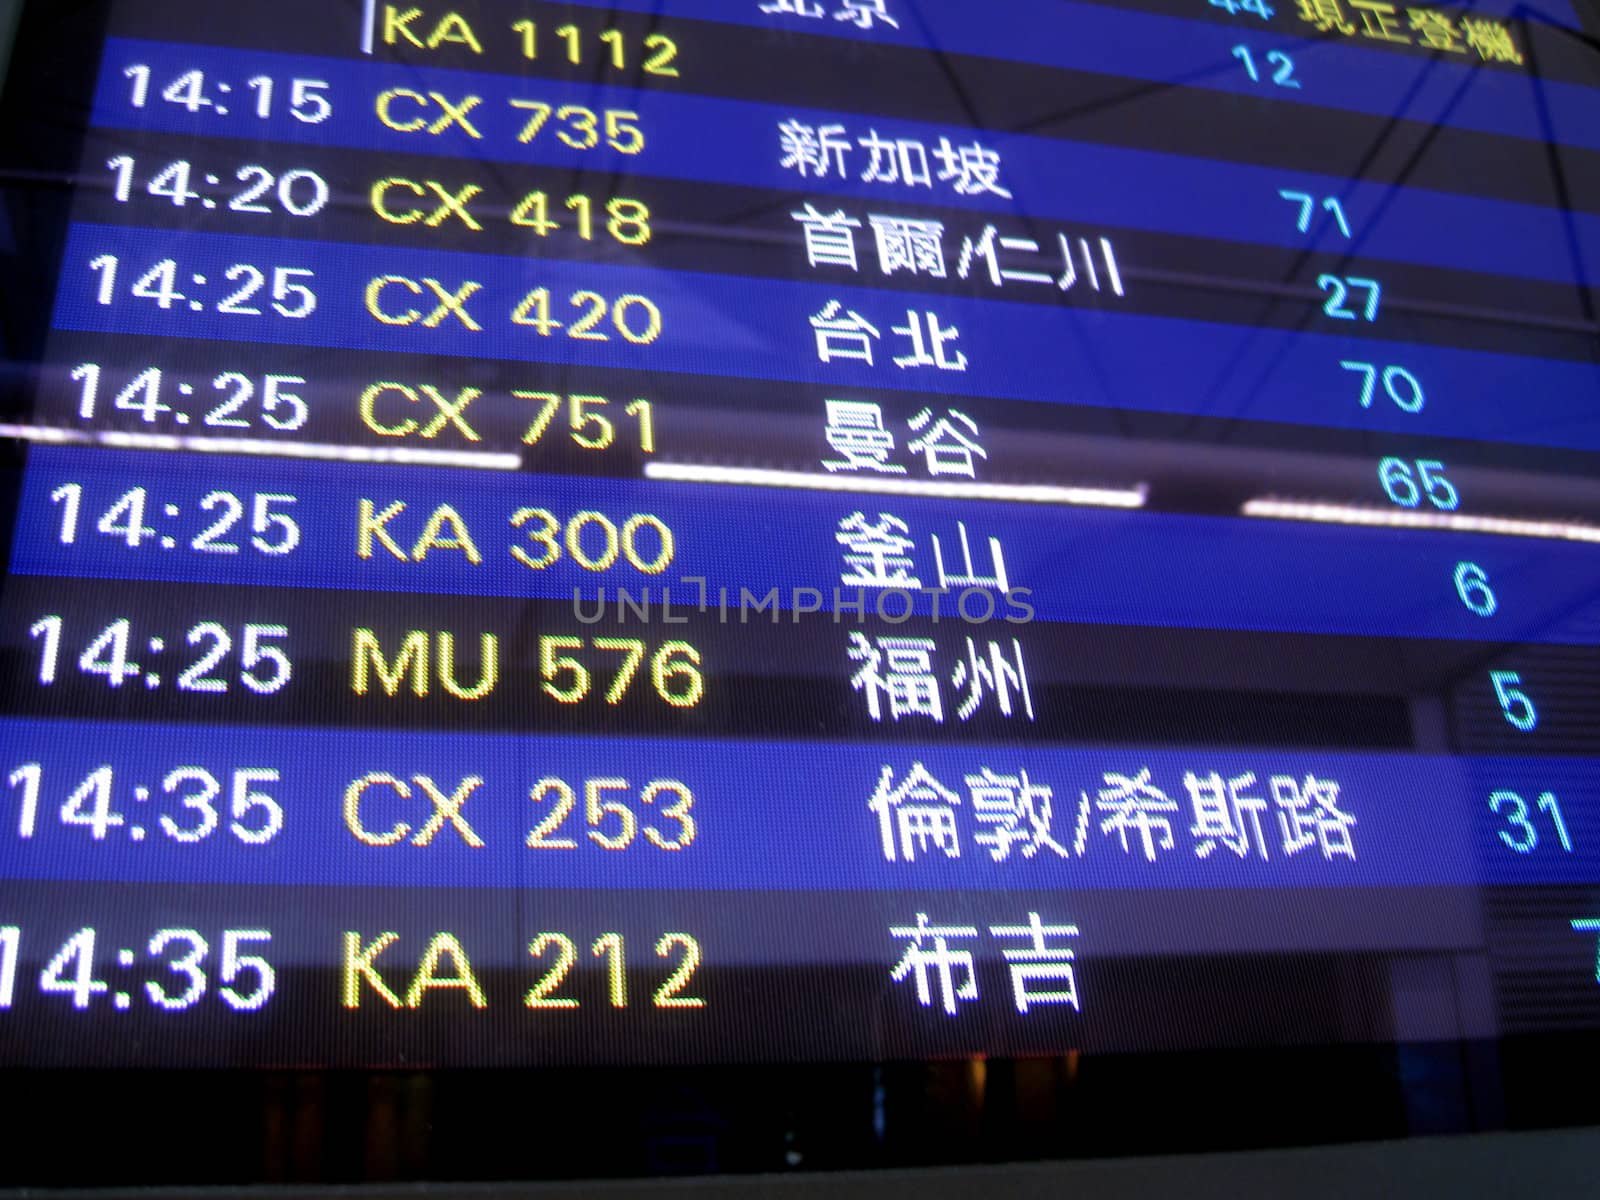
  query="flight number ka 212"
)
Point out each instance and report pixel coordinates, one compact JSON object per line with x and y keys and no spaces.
{"x":445,"y":966}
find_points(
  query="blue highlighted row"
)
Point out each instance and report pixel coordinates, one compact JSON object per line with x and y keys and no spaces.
{"x":102,"y":514}
{"x":1447,"y":89}
{"x":739,"y":142}
{"x":1008,"y":29}
{"x":257,"y":806}
{"x":371,"y":298}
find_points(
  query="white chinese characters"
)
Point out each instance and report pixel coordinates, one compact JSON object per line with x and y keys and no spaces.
{"x":908,"y":245}
{"x":947,"y":975}
{"x":1064,"y":273}
{"x":917,"y":814}
{"x":1224,"y":815}
{"x":830,"y":237}
{"x":931,"y":961}
{"x":930,"y":335}
{"x":898,"y":678}
{"x":1309,"y":816}
{"x":844,"y":334}
{"x":1227,"y":815}
{"x":948,"y":445}
{"x":877,"y":553}
{"x":822,"y":151}
{"x":863,"y":14}
{"x":1013,"y":813}
{"x":916,"y":246}
{"x":1016,"y":812}
{"x":1129,"y":805}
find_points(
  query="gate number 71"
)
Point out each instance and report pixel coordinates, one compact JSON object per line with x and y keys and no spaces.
{"x":1308,"y":204}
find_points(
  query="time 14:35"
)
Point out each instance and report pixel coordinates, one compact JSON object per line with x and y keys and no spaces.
{"x":98,"y":803}
{"x":237,"y":973}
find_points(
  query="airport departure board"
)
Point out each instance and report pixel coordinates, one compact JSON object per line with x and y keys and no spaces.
{"x":782,"y":531}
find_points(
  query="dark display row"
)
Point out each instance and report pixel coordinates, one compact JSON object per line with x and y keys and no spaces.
{"x":253,"y":976}
{"x":120,"y":389}
{"x":150,"y":651}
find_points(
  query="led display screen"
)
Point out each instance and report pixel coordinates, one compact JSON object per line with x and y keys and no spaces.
{"x":797,"y":531}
